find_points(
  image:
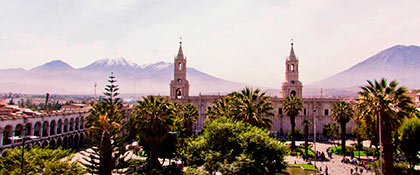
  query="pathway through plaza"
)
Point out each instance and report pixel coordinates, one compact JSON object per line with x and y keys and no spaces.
{"x":335,"y":166}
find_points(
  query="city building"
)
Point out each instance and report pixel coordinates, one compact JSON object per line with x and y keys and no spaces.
{"x":316,"y":110}
{"x":55,"y":128}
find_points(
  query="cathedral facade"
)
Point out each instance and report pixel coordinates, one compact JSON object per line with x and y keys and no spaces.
{"x":316,"y":110}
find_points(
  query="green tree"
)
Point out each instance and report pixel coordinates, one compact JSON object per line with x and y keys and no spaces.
{"x":250,"y":106}
{"x":385,"y":105}
{"x":189,"y":114}
{"x":330,"y":130}
{"x":39,"y":161}
{"x":409,"y":134}
{"x":104,"y":123}
{"x":153,"y":120}
{"x":306,"y":124}
{"x":292,"y":105}
{"x":235,"y":148}
{"x":342,"y":113}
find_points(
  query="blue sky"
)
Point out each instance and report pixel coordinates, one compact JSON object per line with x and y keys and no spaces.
{"x":239,"y":40}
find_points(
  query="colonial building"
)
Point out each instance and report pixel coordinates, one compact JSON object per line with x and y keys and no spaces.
{"x":56,"y":128}
{"x":316,"y":110}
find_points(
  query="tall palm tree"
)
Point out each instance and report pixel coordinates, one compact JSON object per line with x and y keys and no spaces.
{"x":189,"y":116}
{"x":342,"y":112}
{"x":385,"y":105}
{"x":306,"y":124}
{"x":253,"y":107}
{"x":292,"y":105}
{"x":153,"y":118}
{"x":220,"y":108}
{"x":249,"y":106}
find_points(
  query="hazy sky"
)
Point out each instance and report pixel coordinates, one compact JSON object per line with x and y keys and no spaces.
{"x":239,"y":40}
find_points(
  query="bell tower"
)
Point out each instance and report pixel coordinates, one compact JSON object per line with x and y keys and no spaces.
{"x":292,"y":85}
{"x":179,"y":85}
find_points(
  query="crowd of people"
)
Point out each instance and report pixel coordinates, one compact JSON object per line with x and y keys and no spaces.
{"x":356,"y":162}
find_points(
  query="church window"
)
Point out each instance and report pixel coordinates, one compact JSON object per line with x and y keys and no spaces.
{"x":280,"y":111}
{"x":179,"y":80}
{"x":293,"y":92}
{"x":180,"y":66}
{"x":178,"y":94}
{"x":293,"y":82}
{"x":326,"y":112}
{"x":304,"y":111}
{"x":292,"y":67}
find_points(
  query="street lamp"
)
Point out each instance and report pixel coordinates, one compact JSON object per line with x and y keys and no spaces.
{"x":315,"y":136}
{"x":23,"y":145}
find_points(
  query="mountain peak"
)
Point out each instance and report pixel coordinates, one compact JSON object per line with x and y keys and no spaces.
{"x":398,"y":62}
{"x":115,"y":64}
{"x":54,"y":65}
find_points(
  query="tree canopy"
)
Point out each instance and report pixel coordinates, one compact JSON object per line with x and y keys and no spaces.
{"x":39,"y":161}
{"x":235,"y":147}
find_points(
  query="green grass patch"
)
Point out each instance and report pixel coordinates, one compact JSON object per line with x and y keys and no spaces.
{"x":300,"y":150}
{"x":337,"y":150}
{"x":304,"y":166}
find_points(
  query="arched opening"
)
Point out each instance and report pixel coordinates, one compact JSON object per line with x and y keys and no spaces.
{"x":52,"y":144}
{"x":28,"y":128}
{"x":36,"y":144}
{"x":76,"y":127}
{"x":65,"y":142}
{"x":66,"y":125}
{"x":4,"y":153}
{"x":37,"y":129}
{"x":71,"y":141}
{"x":178,"y":93}
{"x":59,"y":142}
{"x":76,"y":142}
{"x":180,"y":66}
{"x":292,"y":67}
{"x":293,"y":92}
{"x":44,"y":144}
{"x":45,"y":128}
{"x":52,"y":128}
{"x":71,"y":126}
{"x":19,"y":132}
{"x":82,"y":140}
{"x":82,"y":123}
{"x":59,"y":126}
{"x":7,"y":132}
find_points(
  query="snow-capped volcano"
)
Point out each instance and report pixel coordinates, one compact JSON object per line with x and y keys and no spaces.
{"x":113,"y":65}
{"x":156,"y":66}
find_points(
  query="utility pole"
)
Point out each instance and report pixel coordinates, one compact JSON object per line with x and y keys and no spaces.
{"x":315,"y":135}
{"x":94,"y":91}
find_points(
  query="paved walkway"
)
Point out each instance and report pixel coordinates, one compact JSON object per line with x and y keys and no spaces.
{"x":335,"y":166}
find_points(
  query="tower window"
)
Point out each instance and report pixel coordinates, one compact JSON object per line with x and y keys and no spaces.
{"x":180,"y":66}
{"x":178,"y":94}
{"x":293,"y":92}
{"x":292,"y":67}
{"x":293,"y":82}
{"x":179,"y":80}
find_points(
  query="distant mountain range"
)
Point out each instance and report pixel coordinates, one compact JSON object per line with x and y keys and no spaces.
{"x":401,"y":63}
{"x":59,"y":77}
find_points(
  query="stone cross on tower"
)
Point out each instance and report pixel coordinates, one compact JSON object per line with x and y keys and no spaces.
{"x":292,"y":85}
{"x":180,"y":85}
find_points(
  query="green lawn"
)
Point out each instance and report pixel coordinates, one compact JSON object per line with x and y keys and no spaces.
{"x":304,"y":166}
{"x":302,"y":149}
{"x":337,"y":150}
